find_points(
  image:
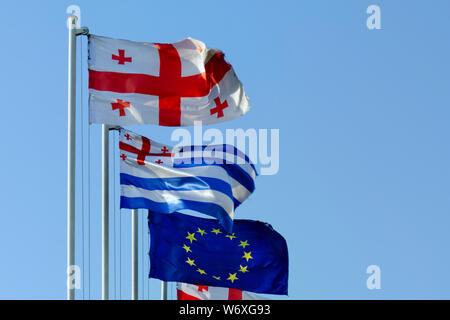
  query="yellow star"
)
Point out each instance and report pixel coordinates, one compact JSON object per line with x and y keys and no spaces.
{"x":190,"y":262}
{"x":247,"y":255}
{"x":232,"y":277}
{"x":243,"y":269}
{"x":201,"y":271}
{"x":231,"y":236}
{"x":217,"y":278}
{"x":191,"y":237}
{"x":202,"y":232}
{"x":185,"y":247}
{"x":216,"y":231}
{"x":243,"y":244}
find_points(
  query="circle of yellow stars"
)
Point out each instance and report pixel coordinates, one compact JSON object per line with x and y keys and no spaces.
{"x":247,"y":254}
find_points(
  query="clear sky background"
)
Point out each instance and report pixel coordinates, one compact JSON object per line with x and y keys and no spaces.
{"x":364,"y":140}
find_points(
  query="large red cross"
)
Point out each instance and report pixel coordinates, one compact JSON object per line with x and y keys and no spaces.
{"x":219,"y":107}
{"x":121,"y":105}
{"x":143,"y":152}
{"x":121,"y":57}
{"x":169,"y":86}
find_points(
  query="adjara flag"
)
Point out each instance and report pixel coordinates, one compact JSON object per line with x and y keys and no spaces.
{"x":167,"y":84}
{"x":165,"y":179}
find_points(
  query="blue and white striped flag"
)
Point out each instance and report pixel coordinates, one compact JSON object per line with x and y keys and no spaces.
{"x":212,"y":180}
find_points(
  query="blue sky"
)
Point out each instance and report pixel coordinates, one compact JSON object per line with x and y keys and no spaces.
{"x":364,"y":153}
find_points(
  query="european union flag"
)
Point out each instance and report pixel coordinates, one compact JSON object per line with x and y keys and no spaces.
{"x":196,"y":250}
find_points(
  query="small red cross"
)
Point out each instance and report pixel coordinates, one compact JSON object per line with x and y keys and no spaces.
{"x":127,"y":136}
{"x":201,"y":288}
{"x":219,"y":107}
{"x":121,"y":105}
{"x":164,"y":150}
{"x":121,"y":57}
{"x":123,"y":157}
{"x":159,"y":161}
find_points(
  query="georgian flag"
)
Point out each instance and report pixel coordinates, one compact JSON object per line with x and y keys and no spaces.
{"x":212,"y":181}
{"x":165,"y":84}
{"x":187,"y":291}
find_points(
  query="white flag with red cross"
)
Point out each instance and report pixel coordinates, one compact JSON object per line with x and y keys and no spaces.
{"x":186,"y":291}
{"x":165,"y":84}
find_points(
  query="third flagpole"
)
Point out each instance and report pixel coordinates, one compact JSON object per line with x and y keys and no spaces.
{"x":134,"y":254}
{"x":163,"y":290}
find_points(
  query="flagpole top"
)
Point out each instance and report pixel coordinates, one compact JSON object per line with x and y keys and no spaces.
{"x":111,"y":128}
{"x":72,"y":21}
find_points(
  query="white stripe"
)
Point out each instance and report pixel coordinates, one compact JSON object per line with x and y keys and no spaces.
{"x":206,"y":196}
{"x":210,"y":151}
{"x":150,"y":170}
{"x":153,"y":170}
{"x":240,"y":192}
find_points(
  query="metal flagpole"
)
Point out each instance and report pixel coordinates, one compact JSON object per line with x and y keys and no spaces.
{"x":163,"y":290}
{"x":71,"y":115}
{"x":105,"y":212}
{"x":134,"y":254}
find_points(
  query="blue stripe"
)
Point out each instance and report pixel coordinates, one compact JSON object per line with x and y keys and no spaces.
{"x":236,"y":202}
{"x":234,"y":170}
{"x":207,"y":208}
{"x":227,"y":148}
{"x":240,"y":175}
{"x":206,"y":161}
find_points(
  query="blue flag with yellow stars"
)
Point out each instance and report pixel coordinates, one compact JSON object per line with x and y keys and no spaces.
{"x":184,"y":248}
